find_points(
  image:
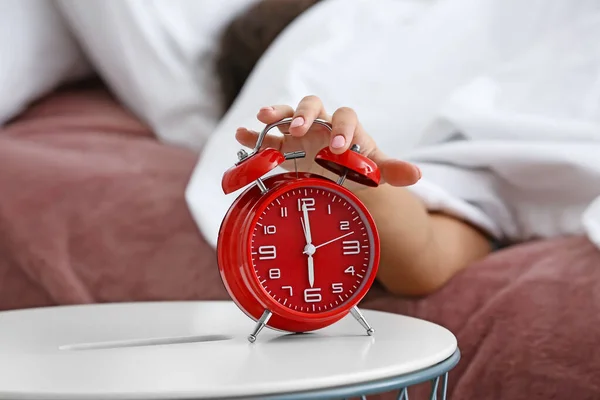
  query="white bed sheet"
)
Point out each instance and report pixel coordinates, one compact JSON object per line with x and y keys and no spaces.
{"x":498,"y":101}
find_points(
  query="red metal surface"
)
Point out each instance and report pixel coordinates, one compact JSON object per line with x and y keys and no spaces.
{"x":250,"y":169}
{"x":360,"y":168}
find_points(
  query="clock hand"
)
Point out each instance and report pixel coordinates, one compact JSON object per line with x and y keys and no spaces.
{"x":306,"y":224}
{"x":332,"y":240}
{"x":309,"y":249}
{"x":304,"y":229}
{"x":311,"y":270}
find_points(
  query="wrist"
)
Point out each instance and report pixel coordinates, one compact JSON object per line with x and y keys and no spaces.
{"x":407,"y":254}
{"x":420,"y":251}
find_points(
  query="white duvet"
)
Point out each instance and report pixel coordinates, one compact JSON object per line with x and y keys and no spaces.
{"x":498,"y":101}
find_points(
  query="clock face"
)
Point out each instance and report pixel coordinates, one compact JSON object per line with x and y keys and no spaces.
{"x":312,"y":249}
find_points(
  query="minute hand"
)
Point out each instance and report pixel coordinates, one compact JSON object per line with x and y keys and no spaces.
{"x":333,"y":240}
{"x":307,"y":233}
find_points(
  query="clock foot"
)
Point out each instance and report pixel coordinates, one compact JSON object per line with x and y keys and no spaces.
{"x":361,"y":320}
{"x":260,"y":324}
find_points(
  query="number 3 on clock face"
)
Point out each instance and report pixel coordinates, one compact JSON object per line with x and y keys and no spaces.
{"x":312,"y":248}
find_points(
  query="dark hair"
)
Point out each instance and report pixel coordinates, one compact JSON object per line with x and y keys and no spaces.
{"x":247,"y":37}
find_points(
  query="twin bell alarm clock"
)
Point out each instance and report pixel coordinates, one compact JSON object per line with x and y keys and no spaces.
{"x":298,"y":251}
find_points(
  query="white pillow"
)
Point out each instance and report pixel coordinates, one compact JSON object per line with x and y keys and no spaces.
{"x":157,"y":56}
{"x":37,"y":54}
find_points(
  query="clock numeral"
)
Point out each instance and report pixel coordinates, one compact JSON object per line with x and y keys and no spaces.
{"x":310,"y":204}
{"x":269,"y":229}
{"x":288,"y":288}
{"x":351,"y":247}
{"x":267,"y":252}
{"x":274,"y":273}
{"x":312,"y":295}
{"x":344,"y":225}
{"x":283,"y":212}
{"x":329,"y":209}
{"x":349,"y":270}
{"x":337,"y":287}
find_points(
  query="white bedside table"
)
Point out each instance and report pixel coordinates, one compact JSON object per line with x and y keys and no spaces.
{"x":199,"y":350}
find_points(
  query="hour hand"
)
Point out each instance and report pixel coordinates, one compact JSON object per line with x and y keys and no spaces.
{"x":311,"y":271}
{"x":313,"y":248}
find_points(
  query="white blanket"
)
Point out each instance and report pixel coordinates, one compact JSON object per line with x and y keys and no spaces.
{"x":498,"y":101}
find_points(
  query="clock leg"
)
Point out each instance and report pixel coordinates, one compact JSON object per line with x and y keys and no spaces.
{"x":361,"y":320}
{"x":261,"y":186}
{"x":260,"y":324}
{"x":342,"y":178}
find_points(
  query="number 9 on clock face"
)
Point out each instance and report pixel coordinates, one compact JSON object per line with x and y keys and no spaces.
{"x":312,"y":248}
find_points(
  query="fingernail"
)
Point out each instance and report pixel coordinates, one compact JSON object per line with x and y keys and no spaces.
{"x":298,"y":121}
{"x":338,"y":142}
{"x":418,"y":171}
{"x":266,"y":109}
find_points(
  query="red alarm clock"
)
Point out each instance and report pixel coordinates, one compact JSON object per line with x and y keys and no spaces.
{"x":298,"y":251}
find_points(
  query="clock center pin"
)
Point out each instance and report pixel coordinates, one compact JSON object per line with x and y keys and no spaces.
{"x":310,"y":249}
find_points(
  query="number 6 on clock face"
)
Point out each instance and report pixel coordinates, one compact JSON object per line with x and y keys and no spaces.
{"x":312,"y":295}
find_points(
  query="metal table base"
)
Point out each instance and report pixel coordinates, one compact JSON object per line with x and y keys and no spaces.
{"x":436,"y":374}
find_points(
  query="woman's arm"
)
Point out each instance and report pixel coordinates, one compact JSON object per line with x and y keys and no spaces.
{"x":420,"y":251}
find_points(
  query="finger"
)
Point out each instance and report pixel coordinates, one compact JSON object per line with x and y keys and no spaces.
{"x":399,"y":173}
{"x":271,"y":114}
{"x":394,"y":172}
{"x":309,"y":109}
{"x":344,"y":123}
{"x":248,"y":138}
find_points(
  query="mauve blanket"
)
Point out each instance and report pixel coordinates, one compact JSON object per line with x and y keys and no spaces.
{"x":92,"y":210}
{"x":527,"y":321}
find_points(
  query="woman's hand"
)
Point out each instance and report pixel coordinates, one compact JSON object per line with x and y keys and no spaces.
{"x":301,"y":134}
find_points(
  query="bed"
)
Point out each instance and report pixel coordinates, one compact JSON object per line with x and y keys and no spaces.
{"x":93,"y":210}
